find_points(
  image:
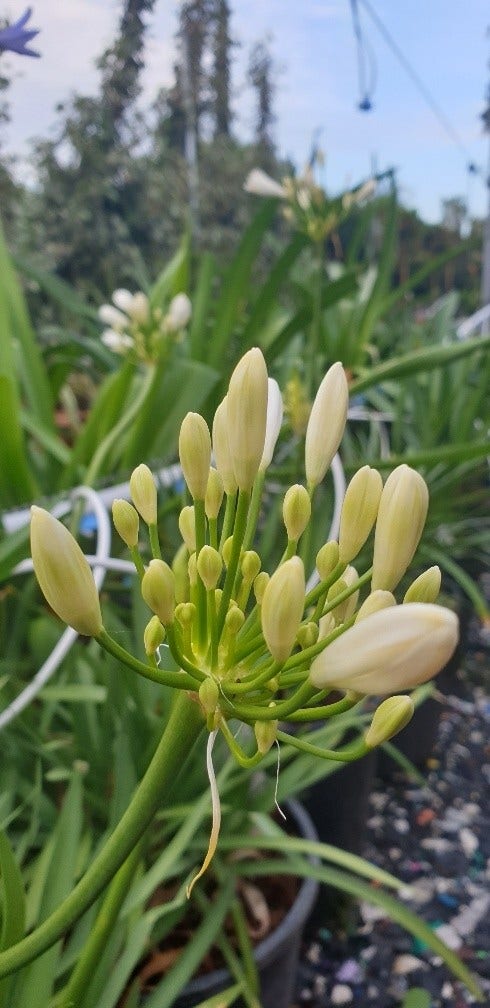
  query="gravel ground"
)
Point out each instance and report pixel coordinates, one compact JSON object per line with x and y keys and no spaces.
{"x":437,"y":839}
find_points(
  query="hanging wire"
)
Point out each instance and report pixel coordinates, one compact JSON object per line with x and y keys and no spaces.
{"x":434,"y":106}
{"x":366,"y":63}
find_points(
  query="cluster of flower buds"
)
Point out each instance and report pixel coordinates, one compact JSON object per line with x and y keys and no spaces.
{"x":306,"y":204}
{"x":134,"y":325}
{"x":259,"y":646}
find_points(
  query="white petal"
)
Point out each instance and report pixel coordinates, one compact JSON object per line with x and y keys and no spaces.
{"x":260,"y":184}
{"x":275,"y":411}
{"x":390,"y":650}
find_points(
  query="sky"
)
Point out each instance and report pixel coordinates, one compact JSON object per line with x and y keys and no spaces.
{"x":446,"y":43}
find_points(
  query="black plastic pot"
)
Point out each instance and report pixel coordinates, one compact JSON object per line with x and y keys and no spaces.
{"x":277,"y":956}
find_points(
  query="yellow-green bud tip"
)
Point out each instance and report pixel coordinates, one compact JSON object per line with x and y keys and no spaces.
{"x":389,"y":718}
{"x":282,"y":608}
{"x":158,"y":590}
{"x":144,"y":493}
{"x":296,"y":511}
{"x":195,"y":454}
{"x":126,"y":522}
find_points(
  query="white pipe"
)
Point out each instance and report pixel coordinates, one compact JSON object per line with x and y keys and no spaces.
{"x":69,"y":636}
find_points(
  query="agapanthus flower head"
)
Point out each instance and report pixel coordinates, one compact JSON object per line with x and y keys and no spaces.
{"x":305,"y":203}
{"x":256,"y":644}
{"x":16,"y":37}
{"x":135,"y":326}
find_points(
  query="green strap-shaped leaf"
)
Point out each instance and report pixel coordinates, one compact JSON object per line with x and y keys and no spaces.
{"x":12,"y":899}
{"x":17,"y":485}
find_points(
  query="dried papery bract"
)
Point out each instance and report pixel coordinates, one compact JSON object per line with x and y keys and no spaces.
{"x":390,"y":650}
{"x":64,"y":575}
{"x":326,"y":424}
{"x":399,"y":525}
{"x":247,"y":416}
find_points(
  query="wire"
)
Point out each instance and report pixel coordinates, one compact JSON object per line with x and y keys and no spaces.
{"x":437,"y":111}
{"x":366,"y":63}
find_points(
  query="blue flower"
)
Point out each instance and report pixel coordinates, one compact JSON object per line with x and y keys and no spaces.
{"x":16,"y":36}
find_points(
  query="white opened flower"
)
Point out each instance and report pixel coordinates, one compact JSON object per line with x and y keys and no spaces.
{"x":258,"y":183}
{"x":390,"y":650}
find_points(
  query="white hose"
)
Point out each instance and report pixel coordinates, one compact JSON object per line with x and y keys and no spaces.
{"x":101,"y":562}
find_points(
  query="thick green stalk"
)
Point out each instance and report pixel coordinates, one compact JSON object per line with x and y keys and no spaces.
{"x":181,"y":732}
{"x":73,"y":993}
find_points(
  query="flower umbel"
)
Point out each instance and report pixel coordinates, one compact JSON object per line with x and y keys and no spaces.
{"x":253,"y":645}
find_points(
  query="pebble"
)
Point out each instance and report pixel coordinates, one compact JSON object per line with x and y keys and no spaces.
{"x":469,"y":841}
{"x":404,"y":964}
{"x":436,"y":839}
{"x":341,"y":994}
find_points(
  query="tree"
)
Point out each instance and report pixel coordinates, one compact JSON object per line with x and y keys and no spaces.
{"x":261,"y":72}
{"x":221,"y":74}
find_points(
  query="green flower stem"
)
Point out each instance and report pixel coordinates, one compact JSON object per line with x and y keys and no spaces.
{"x":281,"y":711}
{"x":238,"y":534}
{"x":162,"y":676}
{"x":350,"y":590}
{"x":154,"y":542}
{"x":322,"y":588}
{"x":241,"y":757}
{"x":325,"y":712}
{"x":316,"y":321}
{"x":347,"y":755}
{"x":138,"y":563}
{"x":248,"y":647}
{"x":304,"y":658}
{"x":201,"y":602}
{"x":260,"y":679}
{"x":254,"y":509}
{"x":197,"y":674}
{"x":228,"y":519}
{"x":116,"y":432}
{"x":89,"y":959}
{"x":213,"y":532}
{"x":212,"y":635}
{"x":181,"y":732}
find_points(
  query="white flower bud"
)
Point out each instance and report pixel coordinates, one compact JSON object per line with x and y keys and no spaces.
{"x":139,"y":310}
{"x":195,"y":454}
{"x":359,"y":510}
{"x":221,"y":448}
{"x":123,"y":299}
{"x":282,"y":608}
{"x":275,"y":410}
{"x":326,"y":424}
{"x":158,"y":590}
{"x":64,"y":575}
{"x":117,"y":342}
{"x":296,"y":511}
{"x":247,"y":415}
{"x":389,"y":718}
{"x":179,"y":313}
{"x":400,"y":522}
{"x":390,"y":650}
{"x":426,"y":587}
{"x":144,"y":493}
{"x":126,"y":521}
{"x":112,"y":317}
